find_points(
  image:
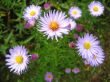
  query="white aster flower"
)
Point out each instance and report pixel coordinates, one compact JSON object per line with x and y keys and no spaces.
{"x":75,"y":12}
{"x":97,"y":58}
{"x":32,"y":12}
{"x":72,"y":24}
{"x":17,"y":59}
{"x":96,"y":8}
{"x":53,"y":24}
{"x":87,"y":45}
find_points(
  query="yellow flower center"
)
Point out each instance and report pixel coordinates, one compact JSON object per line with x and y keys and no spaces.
{"x":74,"y":12}
{"x":32,"y":13}
{"x":95,"y":8}
{"x":87,"y":45}
{"x":49,"y":76}
{"x":54,"y":25}
{"x":19,"y":59}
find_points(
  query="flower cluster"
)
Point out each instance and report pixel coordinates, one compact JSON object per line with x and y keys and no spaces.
{"x":89,"y":48}
{"x":74,"y":70}
{"x":54,"y":24}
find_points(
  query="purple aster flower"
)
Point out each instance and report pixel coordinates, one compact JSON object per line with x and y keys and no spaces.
{"x":79,"y":27}
{"x":76,"y":70}
{"x":47,"y":6}
{"x":34,"y":56}
{"x":71,"y":24}
{"x":17,"y":60}
{"x":49,"y":76}
{"x":67,"y":70}
{"x":32,"y":12}
{"x":30,"y":23}
{"x":72,"y":45}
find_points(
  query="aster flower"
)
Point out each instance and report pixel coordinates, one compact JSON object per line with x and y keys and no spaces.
{"x":17,"y":59}
{"x":72,"y":24}
{"x":34,"y":56}
{"x":75,"y":12}
{"x":72,"y":45}
{"x":67,"y":70}
{"x":79,"y":27}
{"x":32,"y":12}
{"x":47,"y":6}
{"x":97,"y":58}
{"x":30,"y":23}
{"x":87,"y":45}
{"x":53,"y":24}
{"x":96,"y":8}
{"x":48,"y":77}
{"x":76,"y":70}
